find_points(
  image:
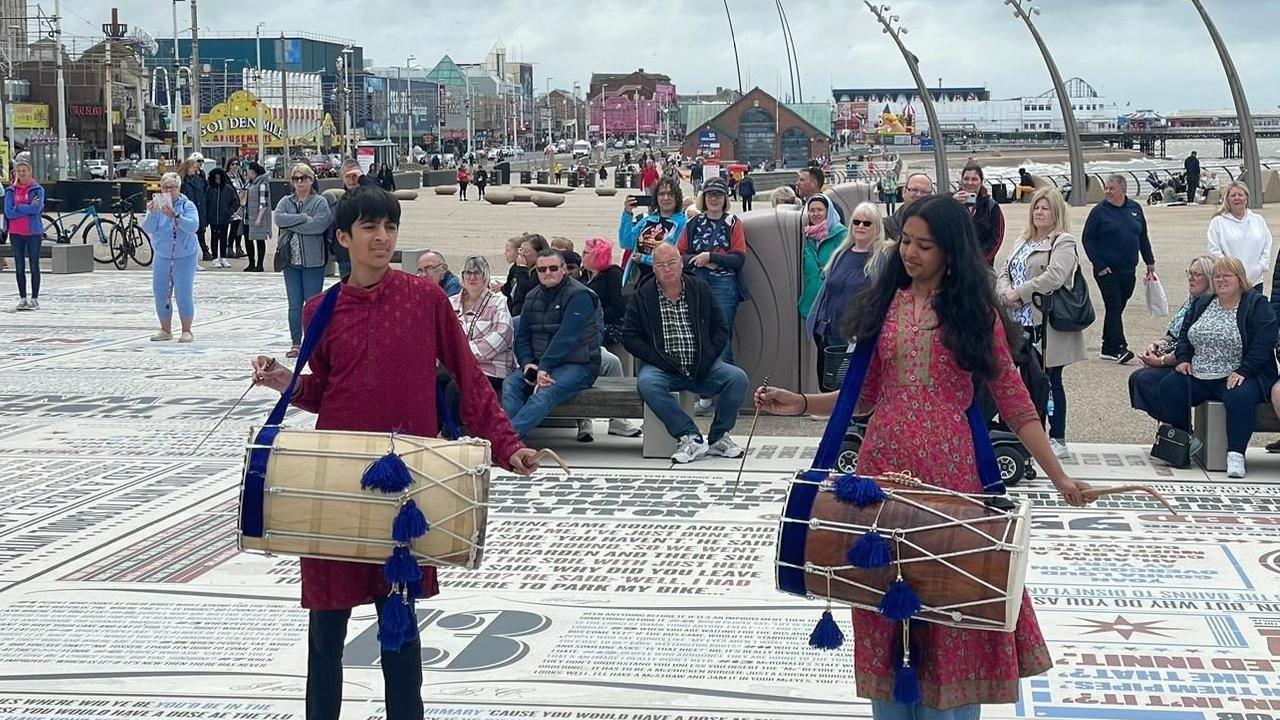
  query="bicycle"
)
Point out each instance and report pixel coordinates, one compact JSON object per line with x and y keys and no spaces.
{"x":97,"y":230}
{"x":128,"y":239}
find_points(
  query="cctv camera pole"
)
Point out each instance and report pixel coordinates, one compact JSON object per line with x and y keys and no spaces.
{"x":913,"y":63}
{"x":1023,"y":10}
{"x":1248,"y":141}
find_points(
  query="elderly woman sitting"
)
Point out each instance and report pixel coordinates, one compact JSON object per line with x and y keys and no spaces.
{"x":486,"y":321}
{"x":1157,"y":359}
{"x":1225,"y":352}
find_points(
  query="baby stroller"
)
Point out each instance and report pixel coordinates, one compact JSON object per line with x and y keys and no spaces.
{"x":1012,"y":457}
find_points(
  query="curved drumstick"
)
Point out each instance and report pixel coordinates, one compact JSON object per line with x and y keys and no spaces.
{"x":1093,"y":493}
{"x":549,"y":453}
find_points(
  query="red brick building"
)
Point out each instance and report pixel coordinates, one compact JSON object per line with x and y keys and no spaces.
{"x":755,"y":129}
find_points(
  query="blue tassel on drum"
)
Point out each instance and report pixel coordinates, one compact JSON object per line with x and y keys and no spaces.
{"x":906,"y":685}
{"x":398,"y":624}
{"x":401,"y":568}
{"x":870,"y":551}
{"x":409,"y":523}
{"x":826,"y":634}
{"x":900,"y":601}
{"x":858,"y":490}
{"x":388,"y":474}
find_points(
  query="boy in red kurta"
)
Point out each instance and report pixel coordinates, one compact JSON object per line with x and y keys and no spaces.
{"x":374,"y":371}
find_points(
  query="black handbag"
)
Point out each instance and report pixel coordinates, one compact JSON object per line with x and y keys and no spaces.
{"x":1070,"y":309}
{"x":1172,"y":446}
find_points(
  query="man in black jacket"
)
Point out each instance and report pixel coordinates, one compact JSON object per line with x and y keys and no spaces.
{"x":1192,"y":167}
{"x":674,"y":327}
{"x":1115,"y":234}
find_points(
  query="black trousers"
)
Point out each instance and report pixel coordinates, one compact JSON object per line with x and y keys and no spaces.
{"x":1116,"y":288}
{"x":746,"y":203}
{"x":401,"y":671}
{"x":238,"y":230}
{"x":218,"y":241}
{"x":255,"y":258}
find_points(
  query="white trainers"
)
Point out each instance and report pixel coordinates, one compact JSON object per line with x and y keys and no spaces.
{"x":690,"y":448}
{"x":33,"y":304}
{"x":1235,"y":465}
{"x":624,"y":428}
{"x":162,"y":336}
{"x":186,"y":337}
{"x":585,"y":431}
{"x":725,"y":447}
{"x":704,"y":406}
{"x":22,"y":305}
{"x":1059,"y":448}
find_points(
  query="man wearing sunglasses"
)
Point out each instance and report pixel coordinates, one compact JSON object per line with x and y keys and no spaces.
{"x":557,"y":345}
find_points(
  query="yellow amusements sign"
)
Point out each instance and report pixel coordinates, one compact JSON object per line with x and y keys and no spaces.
{"x":236,"y":121}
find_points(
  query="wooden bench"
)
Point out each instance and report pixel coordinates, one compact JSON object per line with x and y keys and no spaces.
{"x":1209,"y":423}
{"x":617,"y":397}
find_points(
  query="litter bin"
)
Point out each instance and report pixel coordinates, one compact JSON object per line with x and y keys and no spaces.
{"x":526,"y":177}
{"x":573,"y":179}
{"x":544,"y":177}
{"x":502,"y":173}
{"x":1000,"y":193}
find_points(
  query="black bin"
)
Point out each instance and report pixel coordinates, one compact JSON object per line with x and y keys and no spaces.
{"x":526,"y":177}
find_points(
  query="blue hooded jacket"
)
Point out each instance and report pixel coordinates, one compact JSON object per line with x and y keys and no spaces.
{"x":174,"y":237}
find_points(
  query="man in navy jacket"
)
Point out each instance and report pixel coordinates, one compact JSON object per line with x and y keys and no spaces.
{"x":1114,"y":235}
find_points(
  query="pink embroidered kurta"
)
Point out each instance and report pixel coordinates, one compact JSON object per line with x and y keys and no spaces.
{"x":375,"y":371}
{"x":920,"y":396}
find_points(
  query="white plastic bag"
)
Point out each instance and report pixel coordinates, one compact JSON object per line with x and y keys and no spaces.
{"x":1157,"y":301}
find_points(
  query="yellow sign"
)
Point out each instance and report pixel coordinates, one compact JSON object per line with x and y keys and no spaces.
{"x":235,"y":121}
{"x":31,"y":116}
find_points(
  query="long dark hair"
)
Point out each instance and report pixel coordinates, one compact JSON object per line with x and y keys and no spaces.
{"x":966,"y":301}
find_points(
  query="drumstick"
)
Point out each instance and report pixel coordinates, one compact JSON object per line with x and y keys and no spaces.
{"x":764,"y":385}
{"x":549,"y":453}
{"x":1095,"y":493}
{"x":225,"y":415}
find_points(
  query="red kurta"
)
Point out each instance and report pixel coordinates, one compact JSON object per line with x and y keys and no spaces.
{"x":375,"y":371}
{"x":921,"y":396}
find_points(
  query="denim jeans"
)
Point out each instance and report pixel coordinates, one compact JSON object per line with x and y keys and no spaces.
{"x":527,"y":409}
{"x":300,"y":284}
{"x":401,"y":670}
{"x":885,"y":710}
{"x":724,"y":288}
{"x":1058,"y":418}
{"x":26,"y":248}
{"x":725,"y":380}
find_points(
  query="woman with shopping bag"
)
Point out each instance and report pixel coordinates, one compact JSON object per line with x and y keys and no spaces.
{"x":1045,"y":261}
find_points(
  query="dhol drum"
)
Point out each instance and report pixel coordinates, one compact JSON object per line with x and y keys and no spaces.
{"x":315,"y":501}
{"x":860,"y":541}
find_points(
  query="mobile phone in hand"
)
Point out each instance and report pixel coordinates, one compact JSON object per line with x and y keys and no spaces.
{"x":643,"y":200}
{"x":531,"y":375}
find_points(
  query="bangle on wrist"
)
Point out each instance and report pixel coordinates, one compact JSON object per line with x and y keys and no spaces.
{"x":805,"y":398}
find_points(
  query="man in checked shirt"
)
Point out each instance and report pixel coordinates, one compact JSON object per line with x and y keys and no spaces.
{"x":675,"y":329}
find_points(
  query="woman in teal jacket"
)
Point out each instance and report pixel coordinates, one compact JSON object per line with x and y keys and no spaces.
{"x":823,"y":234}
{"x":638,"y":236}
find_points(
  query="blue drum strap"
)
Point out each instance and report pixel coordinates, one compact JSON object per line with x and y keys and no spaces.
{"x":255,"y":474}
{"x":847,"y":400}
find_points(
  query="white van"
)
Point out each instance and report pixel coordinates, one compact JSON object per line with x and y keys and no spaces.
{"x":581,"y":149}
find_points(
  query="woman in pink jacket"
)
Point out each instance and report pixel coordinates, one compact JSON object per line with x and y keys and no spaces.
{"x":23,"y":203}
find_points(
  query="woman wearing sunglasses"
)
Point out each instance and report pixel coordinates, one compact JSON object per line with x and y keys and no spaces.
{"x":303,"y":218}
{"x":850,"y":268}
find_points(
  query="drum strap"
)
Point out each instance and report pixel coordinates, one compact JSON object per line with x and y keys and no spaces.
{"x":255,"y":476}
{"x":842,"y":415}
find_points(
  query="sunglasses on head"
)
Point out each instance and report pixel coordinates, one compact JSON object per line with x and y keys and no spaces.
{"x":863,"y":223}
{"x":548,"y":268}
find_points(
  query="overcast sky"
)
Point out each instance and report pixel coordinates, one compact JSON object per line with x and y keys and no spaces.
{"x":1144,"y":53}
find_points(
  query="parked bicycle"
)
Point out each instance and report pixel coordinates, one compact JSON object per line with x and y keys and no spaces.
{"x":128,"y":239}
{"x":96,"y":230}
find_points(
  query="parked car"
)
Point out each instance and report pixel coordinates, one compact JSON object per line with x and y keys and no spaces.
{"x":97,"y":168}
{"x":619,"y":145}
{"x":123,"y":167}
{"x":581,"y":149}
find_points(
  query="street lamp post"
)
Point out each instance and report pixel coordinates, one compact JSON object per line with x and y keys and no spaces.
{"x":177,"y":86}
{"x":1023,"y":9}
{"x":547,"y":80}
{"x":226,"y":86}
{"x":913,"y":64}
{"x":1248,"y":141}
{"x":408,"y":73}
{"x":257,"y":86}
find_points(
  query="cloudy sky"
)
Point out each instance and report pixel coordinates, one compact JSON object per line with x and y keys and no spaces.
{"x":1144,"y":53}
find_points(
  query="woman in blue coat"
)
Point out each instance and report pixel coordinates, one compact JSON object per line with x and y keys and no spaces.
{"x":172,"y":221}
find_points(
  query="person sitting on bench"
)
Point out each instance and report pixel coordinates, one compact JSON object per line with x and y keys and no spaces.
{"x":557,"y":345}
{"x":675,"y":329}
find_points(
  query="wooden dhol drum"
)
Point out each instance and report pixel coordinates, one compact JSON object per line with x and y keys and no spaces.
{"x":965,"y":556}
{"x":312,"y":503}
